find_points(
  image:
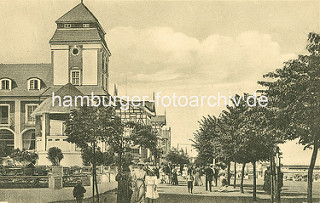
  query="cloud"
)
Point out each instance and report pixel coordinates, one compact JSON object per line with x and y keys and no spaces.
{"x":159,"y":54}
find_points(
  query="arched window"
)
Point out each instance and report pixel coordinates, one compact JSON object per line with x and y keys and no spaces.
{"x":6,"y":140}
{"x":5,"y":84}
{"x":34,"y":84}
{"x":29,"y":140}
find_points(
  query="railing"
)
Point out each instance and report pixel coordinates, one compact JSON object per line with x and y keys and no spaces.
{"x":24,"y":181}
{"x":71,"y":180}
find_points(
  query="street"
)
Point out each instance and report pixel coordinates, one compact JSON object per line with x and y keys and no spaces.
{"x":292,"y":192}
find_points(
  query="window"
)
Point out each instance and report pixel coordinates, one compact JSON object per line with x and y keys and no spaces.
{"x":75,"y":51}
{"x":86,"y":25}
{"x":6,"y":84}
{"x":7,"y":141}
{"x":67,"y":25}
{"x":29,"y":140}
{"x":29,"y":109}
{"x":4,"y":114}
{"x":34,"y":84}
{"x":75,"y":77}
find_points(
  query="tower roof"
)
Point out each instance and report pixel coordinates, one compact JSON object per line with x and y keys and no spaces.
{"x":78,"y":14}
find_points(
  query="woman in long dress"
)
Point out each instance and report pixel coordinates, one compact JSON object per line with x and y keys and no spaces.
{"x":151,"y":187}
{"x":139,"y":176}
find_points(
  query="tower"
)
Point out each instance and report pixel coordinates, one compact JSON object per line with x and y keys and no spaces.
{"x":79,"y":52}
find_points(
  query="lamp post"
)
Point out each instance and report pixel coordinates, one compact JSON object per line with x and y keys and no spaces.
{"x":279,"y":174}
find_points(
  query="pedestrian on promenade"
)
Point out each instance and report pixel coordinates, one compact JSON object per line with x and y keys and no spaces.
{"x":223,"y":181}
{"x":209,"y":176}
{"x":174,"y":177}
{"x":125,"y":185}
{"x":190,"y":180}
{"x":151,"y":187}
{"x":139,"y":181}
{"x":197,"y":177}
{"x":185,"y":171}
{"x":78,"y":192}
{"x":216,"y":174}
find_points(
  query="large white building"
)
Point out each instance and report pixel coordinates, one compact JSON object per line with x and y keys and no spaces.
{"x":79,"y":66}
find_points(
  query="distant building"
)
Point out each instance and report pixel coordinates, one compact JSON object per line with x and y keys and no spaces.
{"x":159,"y":123}
{"x":189,"y":150}
{"x":79,"y":67}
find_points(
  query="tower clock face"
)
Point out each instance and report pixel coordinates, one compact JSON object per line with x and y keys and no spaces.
{"x":75,"y":51}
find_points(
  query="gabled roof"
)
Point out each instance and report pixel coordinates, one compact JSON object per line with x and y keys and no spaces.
{"x":20,"y":73}
{"x":47,"y":106}
{"x":85,"y":90}
{"x":79,"y":14}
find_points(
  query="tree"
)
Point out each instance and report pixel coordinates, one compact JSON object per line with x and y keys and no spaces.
{"x":256,"y":138}
{"x":294,"y":96}
{"x":176,"y":157}
{"x":144,"y":136}
{"x":24,"y":156}
{"x":87,"y":156}
{"x":89,"y":126}
{"x":55,"y":155}
{"x":203,"y":140}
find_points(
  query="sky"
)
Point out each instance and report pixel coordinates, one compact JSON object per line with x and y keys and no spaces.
{"x":190,"y":48}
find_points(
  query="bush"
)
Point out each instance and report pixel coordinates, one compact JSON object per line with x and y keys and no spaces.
{"x":55,"y":155}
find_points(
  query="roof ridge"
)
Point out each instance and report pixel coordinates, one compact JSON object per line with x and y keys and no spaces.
{"x":72,"y":10}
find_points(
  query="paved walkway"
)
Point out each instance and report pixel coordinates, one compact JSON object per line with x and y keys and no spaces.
{"x":43,"y":195}
{"x":291,"y":190}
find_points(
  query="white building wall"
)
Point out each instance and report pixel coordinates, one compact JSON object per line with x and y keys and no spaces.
{"x":60,"y":67}
{"x":90,"y":67}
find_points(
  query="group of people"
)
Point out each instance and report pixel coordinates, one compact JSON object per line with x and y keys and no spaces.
{"x":138,"y":185}
{"x":192,"y":175}
{"x":213,"y":175}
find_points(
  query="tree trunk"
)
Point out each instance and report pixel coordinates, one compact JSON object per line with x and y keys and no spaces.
{"x":242,"y":175}
{"x":310,"y":170}
{"x":271,"y":179}
{"x":93,"y":183}
{"x":235,"y":175}
{"x":97,"y":189}
{"x":229,"y":176}
{"x":93,"y":171}
{"x":254,"y":182}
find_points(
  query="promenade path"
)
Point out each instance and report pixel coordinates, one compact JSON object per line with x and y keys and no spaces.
{"x":43,"y":195}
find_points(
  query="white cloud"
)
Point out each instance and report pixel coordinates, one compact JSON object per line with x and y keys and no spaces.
{"x":159,"y":54}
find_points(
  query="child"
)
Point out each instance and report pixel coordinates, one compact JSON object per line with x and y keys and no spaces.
{"x":151,"y":187}
{"x":190,"y":180}
{"x":224,"y":182}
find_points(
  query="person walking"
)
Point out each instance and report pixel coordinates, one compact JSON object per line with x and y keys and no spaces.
{"x":174,"y":177}
{"x":125,"y":185}
{"x":209,"y":176}
{"x":78,"y":192}
{"x":197,"y":177}
{"x":139,"y":180}
{"x":190,"y":180}
{"x":151,"y":187}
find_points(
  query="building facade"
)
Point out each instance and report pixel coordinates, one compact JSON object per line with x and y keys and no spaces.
{"x":79,"y":66}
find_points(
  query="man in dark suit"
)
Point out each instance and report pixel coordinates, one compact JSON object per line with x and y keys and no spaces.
{"x":209,"y":176}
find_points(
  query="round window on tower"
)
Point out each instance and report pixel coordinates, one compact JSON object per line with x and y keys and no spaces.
{"x":75,"y":51}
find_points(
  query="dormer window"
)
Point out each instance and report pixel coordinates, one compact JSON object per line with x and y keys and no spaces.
{"x":67,"y":25}
{"x":34,"y":84}
{"x":5,"y":84}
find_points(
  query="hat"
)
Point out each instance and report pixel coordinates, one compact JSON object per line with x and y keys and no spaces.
{"x":140,"y":163}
